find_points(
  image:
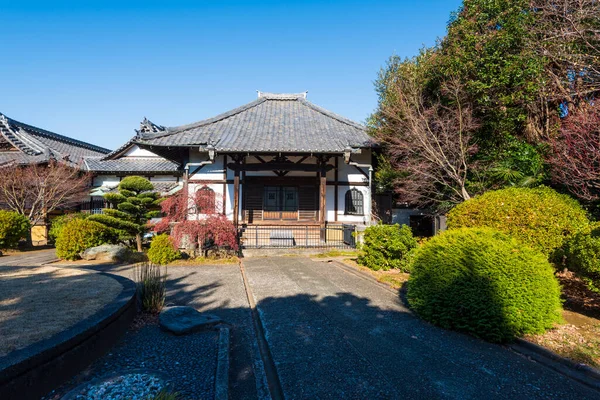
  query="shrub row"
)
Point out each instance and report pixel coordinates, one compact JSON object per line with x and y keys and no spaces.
{"x":13,"y":228}
{"x":387,"y":246}
{"x":80,"y":234}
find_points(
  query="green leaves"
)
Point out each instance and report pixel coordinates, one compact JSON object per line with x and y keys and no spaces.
{"x":135,"y":184}
{"x":485,"y":283}
{"x":387,"y":246}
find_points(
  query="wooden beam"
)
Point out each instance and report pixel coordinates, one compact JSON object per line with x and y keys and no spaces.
{"x":236,"y":197}
{"x":279,"y":167}
{"x":335,"y":189}
{"x":322,"y":195}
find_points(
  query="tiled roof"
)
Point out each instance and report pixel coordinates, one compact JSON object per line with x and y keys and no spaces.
{"x":34,"y":145}
{"x":271,"y":123}
{"x":133,"y":164}
{"x":146,"y":126}
{"x":160,"y":187}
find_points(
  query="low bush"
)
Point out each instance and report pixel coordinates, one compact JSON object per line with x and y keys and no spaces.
{"x":582,"y":256}
{"x":539,"y":217}
{"x":151,"y":283}
{"x":80,"y":234}
{"x":162,"y":250}
{"x":58,"y":223}
{"x":387,"y":246}
{"x":13,"y":228}
{"x":485,"y":283}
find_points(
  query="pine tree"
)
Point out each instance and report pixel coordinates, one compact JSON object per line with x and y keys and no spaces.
{"x":131,"y":208}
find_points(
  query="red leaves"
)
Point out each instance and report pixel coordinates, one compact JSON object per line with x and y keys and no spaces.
{"x":197,"y":219}
{"x":576,"y":154}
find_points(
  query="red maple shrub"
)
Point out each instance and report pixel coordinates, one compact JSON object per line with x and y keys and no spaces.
{"x":209,"y":231}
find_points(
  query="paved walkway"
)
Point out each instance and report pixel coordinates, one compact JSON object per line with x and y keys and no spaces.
{"x":335,"y":335}
{"x":31,"y":258}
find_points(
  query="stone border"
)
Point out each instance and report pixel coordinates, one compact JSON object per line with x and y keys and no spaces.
{"x":35,"y":370}
{"x":222,"y":373}
{"x":580,"y":372}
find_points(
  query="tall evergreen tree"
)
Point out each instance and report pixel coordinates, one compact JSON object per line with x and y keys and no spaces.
{"x":131,"y":208}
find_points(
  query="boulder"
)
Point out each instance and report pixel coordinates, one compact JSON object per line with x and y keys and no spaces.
{"x":106,"y":252}
{"x":182,"y":320}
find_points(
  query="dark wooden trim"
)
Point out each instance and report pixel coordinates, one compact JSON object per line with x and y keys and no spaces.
{"x":346,"y":183}
{"x":207,"y":181}
{"x":335,"y":189}
{"x":198,"y":168}
{"x":322,"y":195}
{"x":279,"y":167}
{"x":236,"y":197}
{"x":244,"y":192}
{"x":362,"y":172}
{"x":225,"y":184}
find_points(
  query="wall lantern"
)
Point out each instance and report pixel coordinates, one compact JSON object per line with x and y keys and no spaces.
{"x":347,"y":153}
{"x":211,"y":152}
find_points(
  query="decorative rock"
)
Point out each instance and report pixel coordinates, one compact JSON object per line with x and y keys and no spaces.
{"x":182,"y":320}
{"x":106,"y":252}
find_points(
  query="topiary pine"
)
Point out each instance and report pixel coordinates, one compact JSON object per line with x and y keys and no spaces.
{"x":485,"y":283}
{"x":133,"y":206}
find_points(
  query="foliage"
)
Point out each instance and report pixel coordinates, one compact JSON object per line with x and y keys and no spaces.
{"x":427,"y":138}
{"x":162,"y":251}
{"x":13,"y":228}
{"x":151,"y":282}
{"x":520,"y":65}
{"x":166,"y":395}
{"x":36,"y":190}
{"x":539,"y":217}
{"x":211,"y":231}
{"x":135,"y":204}
{"x":582,"y":256}
{"x":386,"y":246}
{"x":484,"y":283}
{"x":575,"y":157}
{"x":58,"y":223}
{"x":80,"y":234}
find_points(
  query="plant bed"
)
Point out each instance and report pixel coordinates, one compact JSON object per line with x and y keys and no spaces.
{"x":393,"y":277}
{"x":145,"y":348}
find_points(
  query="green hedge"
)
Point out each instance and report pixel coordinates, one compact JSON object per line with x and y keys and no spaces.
{"x":13,"y":228}
{"x":58,"y":223}
{"x":539,"y":217}
{"x":485,"y":283}
{"x":80,"y":234}
{"x":387,"y":246}
{"x":582,"y":256}
{"x":162,"y":250}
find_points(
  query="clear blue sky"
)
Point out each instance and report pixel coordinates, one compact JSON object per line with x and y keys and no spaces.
{"x":93,"y":70}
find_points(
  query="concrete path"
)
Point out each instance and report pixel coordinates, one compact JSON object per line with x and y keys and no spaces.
{"x":335,"y":335}
{"x":31,"y":258}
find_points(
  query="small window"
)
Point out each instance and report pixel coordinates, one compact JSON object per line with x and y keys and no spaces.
{"x":205,"y":200}
{"x":354,"y":202}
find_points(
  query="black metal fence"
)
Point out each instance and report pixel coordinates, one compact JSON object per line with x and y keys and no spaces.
{"x":297,"y":236}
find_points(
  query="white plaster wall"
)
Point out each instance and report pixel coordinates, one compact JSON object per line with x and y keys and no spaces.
{"x":346,"y":173}
{"x":106,"y":180}
{"x":135,"y":151}
{"x":164,"y":178}
{"x":361,"y":219}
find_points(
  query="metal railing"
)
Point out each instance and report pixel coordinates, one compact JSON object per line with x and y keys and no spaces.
{"x":297,"y":236}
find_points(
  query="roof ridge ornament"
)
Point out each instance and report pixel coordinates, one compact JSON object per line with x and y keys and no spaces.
{"x":282,"y":96}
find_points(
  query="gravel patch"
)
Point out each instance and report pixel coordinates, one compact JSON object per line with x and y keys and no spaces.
{"x":188,"y":363}
{"x":129,"y":386}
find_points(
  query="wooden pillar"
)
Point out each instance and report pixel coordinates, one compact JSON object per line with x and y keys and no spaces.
{"x":322,"y":195}
{"x":335,"y":190}
{"x":236,"y":197}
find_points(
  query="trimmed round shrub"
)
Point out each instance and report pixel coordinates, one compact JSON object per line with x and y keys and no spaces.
{"x":485,"y":283}
{"x":387,"y":246}
{"x":582,"y":256}
{"x":58,"y":223}
{"x":540,"y":217}
{"x":80,"y":234}
{"x":13,"y":228}
{"x":162,"y":250}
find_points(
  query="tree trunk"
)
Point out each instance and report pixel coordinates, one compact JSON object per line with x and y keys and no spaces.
{"x":138,"y":239}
